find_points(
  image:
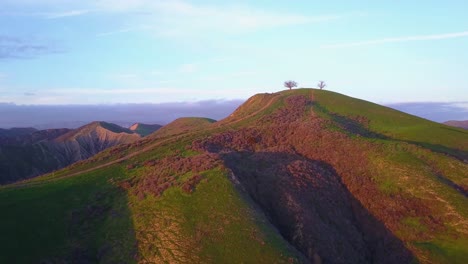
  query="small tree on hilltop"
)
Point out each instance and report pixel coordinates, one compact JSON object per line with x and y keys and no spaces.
{"x":290,"y":84}
{"x":321,"y":85}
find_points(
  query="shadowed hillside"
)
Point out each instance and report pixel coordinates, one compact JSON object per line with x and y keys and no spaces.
{"x":300,"y":176}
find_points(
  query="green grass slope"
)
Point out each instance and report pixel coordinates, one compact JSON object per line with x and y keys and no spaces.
{"x":279,"y":181}
{"x":182,"y":125}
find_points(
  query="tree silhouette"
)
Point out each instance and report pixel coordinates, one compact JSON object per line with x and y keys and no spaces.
{"x":290,"y":84}
{"x":321,"y":85}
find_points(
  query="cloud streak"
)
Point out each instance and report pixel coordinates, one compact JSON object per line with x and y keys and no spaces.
{"x":399,"y":40}
{"x":70,"y":13}
{"x":18,"y":48}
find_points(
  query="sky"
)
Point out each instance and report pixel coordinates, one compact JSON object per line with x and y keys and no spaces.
{"x":60,"y":52}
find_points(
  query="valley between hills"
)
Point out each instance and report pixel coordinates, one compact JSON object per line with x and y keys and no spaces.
{"x":298,"y":176}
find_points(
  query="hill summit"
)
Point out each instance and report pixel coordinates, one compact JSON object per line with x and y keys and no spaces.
{"x":300,"y":176}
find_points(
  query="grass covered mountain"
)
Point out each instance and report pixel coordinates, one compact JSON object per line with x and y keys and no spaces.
{"x":301,"y":176}
{"x":462,"y":124}
{"x":42,"y":151}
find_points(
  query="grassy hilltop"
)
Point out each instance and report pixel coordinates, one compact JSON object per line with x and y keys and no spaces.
{"x":292,"y":177}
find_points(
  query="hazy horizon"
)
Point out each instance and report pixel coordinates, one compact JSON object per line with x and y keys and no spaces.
{"x":73,"y":116}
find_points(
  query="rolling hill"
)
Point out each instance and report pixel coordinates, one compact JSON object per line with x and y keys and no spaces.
{"x":43,"y":151}
{"x":300,"y":176}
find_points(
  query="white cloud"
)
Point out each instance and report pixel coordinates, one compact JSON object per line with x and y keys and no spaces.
{"x":70,"y":13}
{"x":399,"y":39}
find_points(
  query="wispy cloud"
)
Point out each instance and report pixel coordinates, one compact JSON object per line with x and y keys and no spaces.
{"x":181,"y":18}
{"x":19,"y":48}
{"x":70,"y":13}
{"x":399,"y":39}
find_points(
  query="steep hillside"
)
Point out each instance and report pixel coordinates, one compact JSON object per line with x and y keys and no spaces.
{"x":301,"y":176}
{"x":461,"y":124}
{"x":144,"y":129}
{"x":47,"y":150}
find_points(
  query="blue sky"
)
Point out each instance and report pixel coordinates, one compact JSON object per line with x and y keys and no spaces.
{"x":150,"y":51}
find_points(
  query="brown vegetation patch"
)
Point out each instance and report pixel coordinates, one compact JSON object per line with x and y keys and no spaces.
{"x":165,"y":173}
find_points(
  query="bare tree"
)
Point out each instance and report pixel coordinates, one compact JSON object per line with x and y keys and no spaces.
{"x":321,"y":85}
{"x":290,"y":84}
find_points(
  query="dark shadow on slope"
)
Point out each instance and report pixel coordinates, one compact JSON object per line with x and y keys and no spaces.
{"x":100,"y":231}
{"x":452,"y":184}
{"x":357,"y":126}
{"x":312,"y":209}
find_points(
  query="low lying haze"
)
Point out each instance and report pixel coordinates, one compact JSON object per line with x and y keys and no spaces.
{"x":72,"y":116}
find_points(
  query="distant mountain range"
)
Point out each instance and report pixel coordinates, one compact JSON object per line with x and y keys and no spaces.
{"x":461,"y":124}
{"x":27,"y":152}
